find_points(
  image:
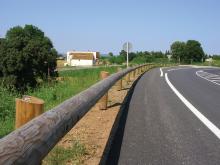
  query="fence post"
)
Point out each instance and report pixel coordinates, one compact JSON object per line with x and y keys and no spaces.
{"x":27,"y":108}
{"x":136,"y":72}
{"x":133,"y":74}
{"x":128,"y":77}
{"x":104,"y":100}
{"x":119,"y":82}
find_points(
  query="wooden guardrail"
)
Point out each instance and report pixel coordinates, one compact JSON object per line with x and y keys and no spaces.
{"x":30,"y":143}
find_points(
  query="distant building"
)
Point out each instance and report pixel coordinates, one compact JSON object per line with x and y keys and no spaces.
{"x":78,"y":58}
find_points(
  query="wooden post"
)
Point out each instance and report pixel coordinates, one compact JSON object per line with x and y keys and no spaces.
{"x":104,"y":100}
{"x":128,"y":76}
{"x":27,"y":108}
{"x":133,"y":74}
{"x":119,"y":82}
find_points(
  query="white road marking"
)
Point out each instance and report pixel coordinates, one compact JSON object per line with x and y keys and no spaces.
{"x":208,"y":76}
{"x":161,"y":72}
{"x":198,"y":114}
{"x":176,"y":69}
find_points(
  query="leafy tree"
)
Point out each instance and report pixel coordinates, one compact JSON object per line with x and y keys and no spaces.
{"x":1,"y":42}
{"x":123,"y":53}
{"x":167,"y":52}
{"x":110,"y":54}
{"x":178,"y":50}
{"x":194,"y":51}
{"x":131,"y":55}
{"x":157,"y":54}
{"x":25,"y":55}
{"x":117,"y":59}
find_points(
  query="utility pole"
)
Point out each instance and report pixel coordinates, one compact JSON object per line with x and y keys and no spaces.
{"x":127,"y":54}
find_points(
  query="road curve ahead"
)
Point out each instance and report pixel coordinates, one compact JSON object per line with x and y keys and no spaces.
{"x":173,"y":118}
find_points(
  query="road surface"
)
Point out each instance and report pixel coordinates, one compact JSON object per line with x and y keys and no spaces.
{"x":173,"y":118}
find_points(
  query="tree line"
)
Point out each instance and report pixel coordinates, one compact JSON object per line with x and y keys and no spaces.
{"x":27,"y":55}
{"x":181,"y":52}
{"x":138,"y":57}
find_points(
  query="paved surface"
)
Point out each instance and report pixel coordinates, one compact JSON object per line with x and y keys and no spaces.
{"x":161,"y":129}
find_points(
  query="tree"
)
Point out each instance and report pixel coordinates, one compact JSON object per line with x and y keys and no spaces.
{"x":1,"y":42}
{"x":25,"y":55}
{"x":178,"y":50}
{"x":194,"y":51}
{"x":110,"y":54}
{"x":157,"y":54}
{"x":123,"y":53}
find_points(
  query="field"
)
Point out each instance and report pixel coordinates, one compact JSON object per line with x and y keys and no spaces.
{"x":72,"y":82}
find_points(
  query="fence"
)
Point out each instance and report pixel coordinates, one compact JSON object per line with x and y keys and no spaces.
{"x":32,"y":142}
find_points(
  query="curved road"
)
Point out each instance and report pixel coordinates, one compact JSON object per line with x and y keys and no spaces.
{"x":173,"y":118}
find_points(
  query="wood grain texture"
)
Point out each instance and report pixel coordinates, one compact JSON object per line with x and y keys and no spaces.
{"x":32,"y":142}
{"x":26,"y":110}
{"x":103,"y":102}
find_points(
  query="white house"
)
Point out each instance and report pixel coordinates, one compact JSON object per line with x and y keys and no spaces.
{"x":78,"y":58}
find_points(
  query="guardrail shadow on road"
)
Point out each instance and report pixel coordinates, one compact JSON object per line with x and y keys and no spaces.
{"x":113,"y":147}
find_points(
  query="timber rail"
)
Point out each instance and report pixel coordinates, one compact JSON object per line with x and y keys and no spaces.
{"x":30,"y":143}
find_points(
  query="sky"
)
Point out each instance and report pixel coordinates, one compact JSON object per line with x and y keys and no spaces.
{"x":105,"y":25}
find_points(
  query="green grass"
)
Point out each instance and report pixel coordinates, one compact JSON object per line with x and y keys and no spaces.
{"x":213,"y":63}
{"x":60,"y":155}
{"x":53,"y":94}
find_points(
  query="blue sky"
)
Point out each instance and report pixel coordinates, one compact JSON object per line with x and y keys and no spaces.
{"x":104,"y":25}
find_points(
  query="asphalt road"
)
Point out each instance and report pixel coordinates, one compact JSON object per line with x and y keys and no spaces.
{"x":173,"y":126}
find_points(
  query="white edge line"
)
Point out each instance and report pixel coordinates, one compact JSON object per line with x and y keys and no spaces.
{"x":161,"y":72}
{"x":207,"y":79}
{"x":198,"y":114}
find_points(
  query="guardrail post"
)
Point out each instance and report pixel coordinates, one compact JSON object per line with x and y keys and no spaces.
{"x":133,"y":74}
{"x":128,"y":77}
{"x":136,"y":72}
{"x":104,"y":100}
{"x":27,"y":108}
{"x":119,"y":82}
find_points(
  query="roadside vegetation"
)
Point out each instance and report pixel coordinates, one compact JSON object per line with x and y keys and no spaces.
{"x":28,"y":67}
{"x":138,"y":57}
{"x":53,"y":93}
{"x":60,"y":155}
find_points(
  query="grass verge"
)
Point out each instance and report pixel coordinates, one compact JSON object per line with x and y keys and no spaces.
{"x":62,"y":156}
{"x":53,"y":94}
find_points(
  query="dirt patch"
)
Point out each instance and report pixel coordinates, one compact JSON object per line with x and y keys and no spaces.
{"x":93,"y":130}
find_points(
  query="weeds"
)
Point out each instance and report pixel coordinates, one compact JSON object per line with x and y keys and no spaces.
{"x":53,"y":94}
{"x":61,"y":156}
